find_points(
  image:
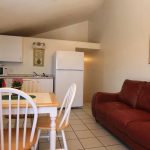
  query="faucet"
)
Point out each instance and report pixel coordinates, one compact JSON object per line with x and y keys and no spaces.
{"x":35,"y":74}
{"x":44,"y":75}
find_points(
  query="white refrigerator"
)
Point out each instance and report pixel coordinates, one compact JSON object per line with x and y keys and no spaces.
{"x":69,"y":68}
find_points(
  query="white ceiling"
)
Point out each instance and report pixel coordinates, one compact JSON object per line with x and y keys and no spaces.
{"x":29,"y":17}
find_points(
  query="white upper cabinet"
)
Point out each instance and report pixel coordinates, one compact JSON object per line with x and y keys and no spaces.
{"x":10,"y":48}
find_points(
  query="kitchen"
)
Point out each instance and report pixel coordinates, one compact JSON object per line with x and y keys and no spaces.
{"x":22,"y":66}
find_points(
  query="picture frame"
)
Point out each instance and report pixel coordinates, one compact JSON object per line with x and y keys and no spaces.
{"x":38,"y":57}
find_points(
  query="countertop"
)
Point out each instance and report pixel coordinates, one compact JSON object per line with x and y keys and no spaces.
{"x":28,"y":76}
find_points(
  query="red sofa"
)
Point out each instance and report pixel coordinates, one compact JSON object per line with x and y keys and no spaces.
{"x":126,"y":114}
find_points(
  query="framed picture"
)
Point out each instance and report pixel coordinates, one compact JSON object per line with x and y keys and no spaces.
{"x":38,"y":57}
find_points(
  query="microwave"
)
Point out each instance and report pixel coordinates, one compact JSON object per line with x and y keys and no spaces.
{"x":3,"y":71}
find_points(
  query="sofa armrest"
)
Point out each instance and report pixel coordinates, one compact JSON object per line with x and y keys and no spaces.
{"x":102,"y":97}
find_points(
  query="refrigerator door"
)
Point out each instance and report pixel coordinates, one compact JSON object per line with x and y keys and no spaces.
{"x":63,"y":81}
{"x":69,"y":60}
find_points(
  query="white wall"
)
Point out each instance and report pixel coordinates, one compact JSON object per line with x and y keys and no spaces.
{"x":75,"y":32}
{"x":51,"y":47}
{"x":123,"y":29}
{"x":92,"y":73}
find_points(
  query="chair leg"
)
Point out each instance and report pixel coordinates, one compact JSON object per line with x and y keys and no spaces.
{"x":38,"y":137}
{"x":64,"y":140}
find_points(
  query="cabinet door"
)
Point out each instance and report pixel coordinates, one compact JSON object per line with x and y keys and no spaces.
{"x":10,"y":48}
{"x":8,"y":82}
{"x":46,"y":85}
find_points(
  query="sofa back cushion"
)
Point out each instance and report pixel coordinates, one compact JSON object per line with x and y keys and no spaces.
{"x":143,"y":101}
{"x":130,"y":91}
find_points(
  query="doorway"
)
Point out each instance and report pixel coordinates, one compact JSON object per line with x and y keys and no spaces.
{"x":91,"y":73}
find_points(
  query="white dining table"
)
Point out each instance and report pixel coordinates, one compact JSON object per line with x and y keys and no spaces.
{"x":46,"y":104}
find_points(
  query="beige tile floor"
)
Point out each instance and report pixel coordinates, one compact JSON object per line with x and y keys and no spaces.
{"x":85,"y":134}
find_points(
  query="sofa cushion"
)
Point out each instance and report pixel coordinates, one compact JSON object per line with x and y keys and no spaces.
{"x":138,"y":131}
{"x":143,"y":101}
{"x":130,"y":91}
{"x":121,"y":118}
{"x":104,"y":108}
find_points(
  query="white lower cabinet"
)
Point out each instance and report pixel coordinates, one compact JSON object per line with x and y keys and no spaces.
{"x":8,"y":82}
{"x":46,"y":85}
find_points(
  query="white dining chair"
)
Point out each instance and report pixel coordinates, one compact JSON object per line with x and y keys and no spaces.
{"x":30,"y":86}
{"x":16,"y":102}
{"x":62,"y":120}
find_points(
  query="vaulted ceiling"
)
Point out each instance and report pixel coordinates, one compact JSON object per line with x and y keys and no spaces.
{"x":29,"y":17}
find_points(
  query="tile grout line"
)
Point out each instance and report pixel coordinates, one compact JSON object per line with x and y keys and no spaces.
{"x":92,"y":132}
{"x":77,"y":115}
{"x":77,"y":138}
{"x":95,"y":129}
{"x":88,"y":130}
{"x":102,"y":136}
{"x":95,"y":135}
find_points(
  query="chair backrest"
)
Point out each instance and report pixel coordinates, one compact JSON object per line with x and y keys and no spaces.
{"x":30,"y":85}
{"x":23,"y":104}
{"x":66,"y":105}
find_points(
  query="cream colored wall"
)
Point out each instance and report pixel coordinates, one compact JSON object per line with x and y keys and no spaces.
{"x":75,"y":32}
{"x":123,"y":29}
{"x":92,"y":73}
{"x":51,"y":47}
